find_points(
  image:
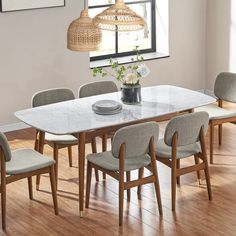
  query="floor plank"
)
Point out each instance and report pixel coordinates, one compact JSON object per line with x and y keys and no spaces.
{"x":195,"y":215}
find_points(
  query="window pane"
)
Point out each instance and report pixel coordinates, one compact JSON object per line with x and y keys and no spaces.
{"x":103,"y":2}
{"x":142,"y":38}
{"x":116,"y":44}
{"x":100,"y":2}
{"x":107,"y":45}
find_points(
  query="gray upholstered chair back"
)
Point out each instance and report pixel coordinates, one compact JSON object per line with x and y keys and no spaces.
{"x":5,"y":147}
{"x":50,"y":96}
{"x":187,"y":127}
{"x":225,"y":86}
{"x":97,"y":88}
{"x":136,"y":138}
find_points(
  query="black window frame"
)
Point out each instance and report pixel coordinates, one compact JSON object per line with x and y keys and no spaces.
{"x":131,"y":53}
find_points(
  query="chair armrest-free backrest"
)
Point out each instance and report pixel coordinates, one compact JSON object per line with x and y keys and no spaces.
{"x":51,"y":96}
{"x":5,"y":147}
{"x":225,"y":87}
{"x":97,"y":88}
{"x":187,"y":127}
{"x":136,"y":139}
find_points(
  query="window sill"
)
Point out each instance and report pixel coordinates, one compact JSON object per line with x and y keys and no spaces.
{"x":127,"y":59}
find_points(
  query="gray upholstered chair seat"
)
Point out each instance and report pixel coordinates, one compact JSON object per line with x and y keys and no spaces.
{"x":26,"y":160}
{"x":216,"y":112}
{"x":164,"y":151}
{"x":107,"y":161}
{"x":61,"y":139}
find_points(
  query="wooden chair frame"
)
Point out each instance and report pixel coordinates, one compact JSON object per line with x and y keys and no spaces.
{"x":56,"y":148}
{"x":104,"y":138}
{"x":12,"y":178}
{"x":219,"y":122}
{"x":127,"y":185}
{"x":177,"y":171}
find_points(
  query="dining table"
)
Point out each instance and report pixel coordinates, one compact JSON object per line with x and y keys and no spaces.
{"x":77,"y":117}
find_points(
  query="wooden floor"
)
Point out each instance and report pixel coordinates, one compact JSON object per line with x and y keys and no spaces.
{"x":195,"y":215}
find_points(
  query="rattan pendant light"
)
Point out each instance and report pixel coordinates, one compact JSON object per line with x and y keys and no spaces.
{"x":83,"y":34}
{"x":119,"y":17}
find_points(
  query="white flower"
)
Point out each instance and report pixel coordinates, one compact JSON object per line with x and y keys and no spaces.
{"x":131,"y":78}
{"x":143,"y":70}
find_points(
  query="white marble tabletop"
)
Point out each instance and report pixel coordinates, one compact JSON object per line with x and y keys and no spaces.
{"x":76,"y":115}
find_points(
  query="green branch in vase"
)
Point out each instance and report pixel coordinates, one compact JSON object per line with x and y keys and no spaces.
{"x":129,"y":74}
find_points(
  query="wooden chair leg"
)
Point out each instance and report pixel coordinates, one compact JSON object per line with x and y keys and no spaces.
{"x":36,"y":143}
{"x":173,"y":184}
{"x":55,"y":156}
{"x":157,"y":189}
{"x":53,"y":187}
{"x":121,"y":181}
{"x":37,"y":182}
{"x":96,"y":175}
{"x":207,"y":176}
{"x":3,"y":197}
{"x":104,"y":149}
{"x":173,"y":169}
{"x":196,"y":158}
{"x":220,"y":104}
{"x":158,"y":194}
{"x":178,"y":166}
{"x":30,"y":187}
{"x":94,"y":150}
{"x":140,"y":176}
{"x":211,"y":141}
{"x":128,"y":179}
{"x":206,"y":170}
{"x":121,"y":198}
{"x":104,"y":176}
{"x":155,"y":173}
{"x":70,"y":155}
{"x":88,"y":184}
{"x":40,"y":147}
{"x":94,"y":145}
{"x":220,"y":133}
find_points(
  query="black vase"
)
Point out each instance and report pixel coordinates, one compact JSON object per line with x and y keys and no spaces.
{"x":131,"y":94}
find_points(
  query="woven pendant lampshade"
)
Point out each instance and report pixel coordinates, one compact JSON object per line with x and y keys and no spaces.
{"x":119,"y":17}
{"x":83,"y":34}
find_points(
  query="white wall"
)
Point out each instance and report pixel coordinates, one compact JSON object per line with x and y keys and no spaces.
{"x":221,"y":38}
{"x":186,"y":65}
{"x":218,"y":38}
{"x":33,"y":54}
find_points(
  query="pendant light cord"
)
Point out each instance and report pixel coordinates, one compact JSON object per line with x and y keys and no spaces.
{"x":85,"y":4}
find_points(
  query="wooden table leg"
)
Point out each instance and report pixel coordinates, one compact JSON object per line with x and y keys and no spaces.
{"x":40,"y":149}
{"x":81,"y":160}
{"x":104,"y":149}
{"x":36,"y":142}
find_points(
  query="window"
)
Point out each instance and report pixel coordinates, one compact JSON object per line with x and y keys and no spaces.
{"x":121,"y":44}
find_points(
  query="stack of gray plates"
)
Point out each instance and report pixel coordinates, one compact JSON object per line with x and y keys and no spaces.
{"x":107,"y":107}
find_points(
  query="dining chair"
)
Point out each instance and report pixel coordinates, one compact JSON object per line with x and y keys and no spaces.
{"x":133,"y":148}
{"x":50,"y":96}
{"x":224,"y":90}
{"x":98,"y":88}
{"x":185,"y":137}
{"x":19,"y":164}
